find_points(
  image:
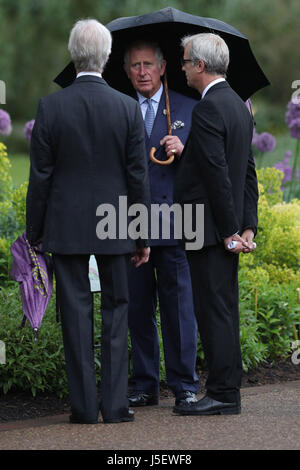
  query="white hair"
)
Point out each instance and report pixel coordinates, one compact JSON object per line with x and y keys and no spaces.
{"x":210,"y":48}
{"x":89,"y":45}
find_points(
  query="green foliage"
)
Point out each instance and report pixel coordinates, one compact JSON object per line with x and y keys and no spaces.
{"x":30,"y":366}
{"x":19,"y":205}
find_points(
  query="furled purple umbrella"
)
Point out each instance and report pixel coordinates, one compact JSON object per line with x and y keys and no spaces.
{"x":33,"y":270}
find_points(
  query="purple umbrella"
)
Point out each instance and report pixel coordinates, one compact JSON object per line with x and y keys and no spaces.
{"x":34,"y":272}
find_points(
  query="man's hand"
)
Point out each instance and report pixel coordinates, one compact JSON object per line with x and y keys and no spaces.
{"x":141,"y":256}
{"x":173,"y":145}
{"x":248,"y":236}
{"x":241,"y":245}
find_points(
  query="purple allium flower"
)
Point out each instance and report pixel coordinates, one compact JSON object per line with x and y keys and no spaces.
{"x":295,"y":128}
{"x":5,"y":123}
{"x":28,"y":129}
{"x":293,"y":112}
{"x":285,"y":167}
{"x":265,"y":142}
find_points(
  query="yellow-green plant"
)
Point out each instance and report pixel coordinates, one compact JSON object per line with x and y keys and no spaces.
{"x":5,"y":177}
{"x":278,"y":236}
{"x":19,"y":205}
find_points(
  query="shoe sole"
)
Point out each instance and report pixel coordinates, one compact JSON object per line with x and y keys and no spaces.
{"x":118,"y":420}
{"x":148,"y":403}
{"x":225,"y":411}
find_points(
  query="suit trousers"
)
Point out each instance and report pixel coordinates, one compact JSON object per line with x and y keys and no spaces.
{"x":214,"y":273}
{"x":76,"y":304}
{"x":165,"y":277}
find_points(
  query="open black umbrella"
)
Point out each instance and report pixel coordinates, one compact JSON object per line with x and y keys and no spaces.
{"x":167,"y":27}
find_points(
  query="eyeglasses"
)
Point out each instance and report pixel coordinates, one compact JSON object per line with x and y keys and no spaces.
{"x":185,"y":61}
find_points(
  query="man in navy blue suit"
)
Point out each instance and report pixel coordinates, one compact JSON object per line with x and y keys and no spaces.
{"x":166,"y":277}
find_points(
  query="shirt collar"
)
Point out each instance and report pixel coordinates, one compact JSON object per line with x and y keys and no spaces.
{"x":95,"y":74}
{"x":214,"y":82}
{"x":156,"y":97}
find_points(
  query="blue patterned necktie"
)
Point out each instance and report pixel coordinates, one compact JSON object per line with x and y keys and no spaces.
{"x":149,"y":117}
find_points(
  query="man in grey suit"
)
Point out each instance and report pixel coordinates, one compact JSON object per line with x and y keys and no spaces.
{"x":87,"y":150}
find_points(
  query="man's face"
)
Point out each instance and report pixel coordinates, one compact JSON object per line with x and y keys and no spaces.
{"x":189,"y":68}
{"x":144,"y":71}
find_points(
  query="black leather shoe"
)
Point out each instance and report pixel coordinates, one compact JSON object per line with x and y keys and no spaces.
{"x":207,"y":406}
{"x":185,"y":397}
{"x":76,"y":420}
{"x":140,"y":398}
{"x":122,"y":419}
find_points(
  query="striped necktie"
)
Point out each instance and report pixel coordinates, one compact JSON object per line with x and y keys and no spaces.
{"x":149,"y":117}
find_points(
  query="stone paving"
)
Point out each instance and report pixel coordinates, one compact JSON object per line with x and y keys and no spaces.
{"x":270,"y":420}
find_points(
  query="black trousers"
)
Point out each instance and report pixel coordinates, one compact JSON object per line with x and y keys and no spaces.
{"x":214,"y":274}
{"x":76,"y":304}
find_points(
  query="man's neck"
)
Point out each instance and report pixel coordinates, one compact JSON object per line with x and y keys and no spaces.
{"x":207,"y":80}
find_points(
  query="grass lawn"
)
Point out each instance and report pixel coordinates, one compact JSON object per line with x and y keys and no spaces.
{"x":20,"y":162}
{"x":19,"y":168}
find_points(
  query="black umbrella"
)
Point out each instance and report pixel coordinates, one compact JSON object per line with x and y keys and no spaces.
{"x":167,"y":27}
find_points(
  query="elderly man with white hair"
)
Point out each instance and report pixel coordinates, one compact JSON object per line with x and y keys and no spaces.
{"x":87,"y":150}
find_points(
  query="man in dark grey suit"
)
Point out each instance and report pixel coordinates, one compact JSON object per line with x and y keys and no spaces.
{"x":217,"y":170}
{"x":87,"y":150}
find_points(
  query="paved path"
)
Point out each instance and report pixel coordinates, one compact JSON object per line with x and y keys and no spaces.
{"x":270,"y":420}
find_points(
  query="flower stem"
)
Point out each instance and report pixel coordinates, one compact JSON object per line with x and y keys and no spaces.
{"x":294,"y":172}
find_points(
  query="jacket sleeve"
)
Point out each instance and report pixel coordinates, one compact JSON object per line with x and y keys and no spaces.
{"x":208,"y":147}
{"x":250,"y":197}
{"x":41,"y":170}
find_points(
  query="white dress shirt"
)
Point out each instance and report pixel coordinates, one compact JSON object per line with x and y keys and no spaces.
{"x":155,"y":99}
{"x":96,"y":74}
{"x":214,"y":82}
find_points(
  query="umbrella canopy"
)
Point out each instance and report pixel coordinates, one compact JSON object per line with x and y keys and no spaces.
{"x":33,"y":270}
{"x":167,"y":27}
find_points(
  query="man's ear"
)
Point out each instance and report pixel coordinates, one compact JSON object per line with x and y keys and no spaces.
{"x":200,"y":66}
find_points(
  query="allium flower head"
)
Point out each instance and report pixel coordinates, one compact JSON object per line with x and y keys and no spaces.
{"x":295,"y":128}
{"x":293,"y":112}
{"x":28,"y":129}
{"x":265,"y":142}
{"x":5,"y":123}
{"x":285,"y":167}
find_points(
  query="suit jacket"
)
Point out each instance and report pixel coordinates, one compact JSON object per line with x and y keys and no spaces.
{"x":161,"y":178}
{"x":87,"y":149}
{"x":217,"y":167}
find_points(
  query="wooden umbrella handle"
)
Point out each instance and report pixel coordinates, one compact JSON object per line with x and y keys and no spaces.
{"x":153,"y":149}
{"x":160,"y":162}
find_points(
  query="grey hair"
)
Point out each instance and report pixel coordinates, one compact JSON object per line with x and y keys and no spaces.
{"x":89,"y":45}
{"x":140,"y":44}
{"x":210,"y":48}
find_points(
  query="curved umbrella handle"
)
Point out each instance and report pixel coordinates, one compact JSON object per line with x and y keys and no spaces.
{"x":160,"y":162}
